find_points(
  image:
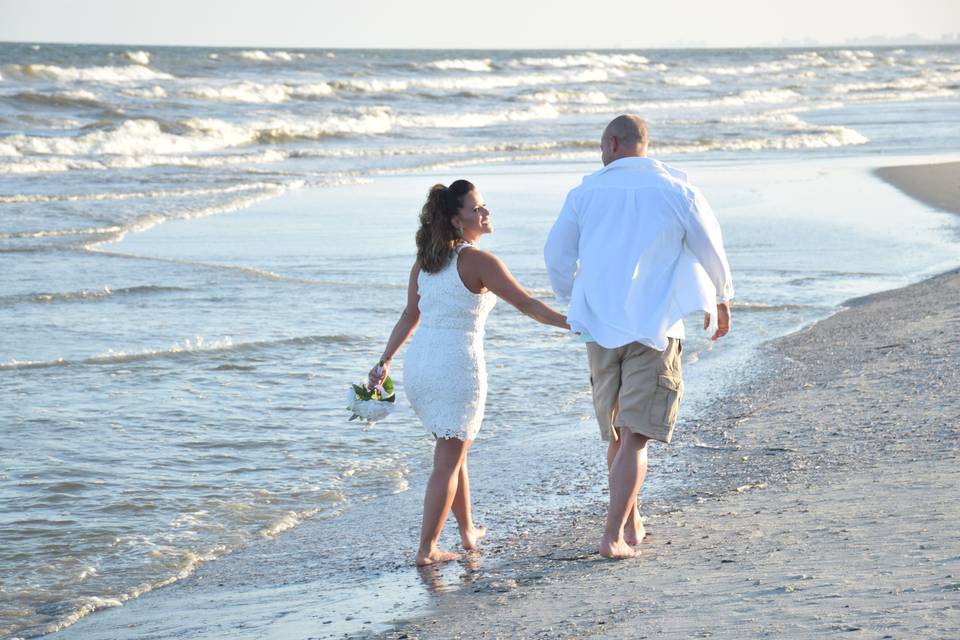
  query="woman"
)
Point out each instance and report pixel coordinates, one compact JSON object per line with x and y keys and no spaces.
{"x":453,"y":286}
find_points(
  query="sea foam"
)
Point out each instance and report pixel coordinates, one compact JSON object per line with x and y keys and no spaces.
{"x":140,"y":57}
{"x":462,"y":64}
{"x":131,"y":73}
{"x":271,"y":56}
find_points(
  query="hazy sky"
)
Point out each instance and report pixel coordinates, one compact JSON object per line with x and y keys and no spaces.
{"x":491,"y":23}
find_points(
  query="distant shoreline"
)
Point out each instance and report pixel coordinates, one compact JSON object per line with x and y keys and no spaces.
{"x":679,"y":47}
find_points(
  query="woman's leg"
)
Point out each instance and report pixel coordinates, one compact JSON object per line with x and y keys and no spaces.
{"x":448,"y":456}
{"x":470,"y":534}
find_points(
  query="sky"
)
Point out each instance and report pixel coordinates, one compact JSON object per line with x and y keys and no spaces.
{"x":495,"y":24}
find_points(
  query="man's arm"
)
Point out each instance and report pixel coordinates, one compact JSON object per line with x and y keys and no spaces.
{"x":562,"y":251}
{"x":705,"y":240}
{"x":703,"y":236}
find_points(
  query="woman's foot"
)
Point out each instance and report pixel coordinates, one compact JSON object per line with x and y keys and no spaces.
{"x":471,"y":537}
{"x":617,"y":549}
{"x":435,"y":556}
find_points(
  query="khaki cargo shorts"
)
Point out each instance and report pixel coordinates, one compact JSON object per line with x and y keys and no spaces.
{"x":636,"y":387}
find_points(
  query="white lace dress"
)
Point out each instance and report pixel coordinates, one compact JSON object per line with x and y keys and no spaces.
{"x":444,"y":373}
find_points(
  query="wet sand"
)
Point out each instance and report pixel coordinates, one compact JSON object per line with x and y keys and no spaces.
{"x":803,"y":509}
{"x":937,"y":185}
{"x":833,"y":508}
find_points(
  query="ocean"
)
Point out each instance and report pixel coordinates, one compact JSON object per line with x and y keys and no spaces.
{"x":201,"y":248}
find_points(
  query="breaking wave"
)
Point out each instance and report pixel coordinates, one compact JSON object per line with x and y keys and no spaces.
{"x":271,"y":56}
{"x":461,"y":64}
{"x":86,"y":295}
{"x":589,"y":59}
{"x":255,"y":92}
{"x":191,"y":347}
{"x":113,"y":75}
{"x":139,"y":57}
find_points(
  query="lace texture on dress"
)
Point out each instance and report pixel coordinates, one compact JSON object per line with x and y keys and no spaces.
{"x":445,"y":375}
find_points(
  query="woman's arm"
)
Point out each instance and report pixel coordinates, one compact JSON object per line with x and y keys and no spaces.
{"x":495,"y":276}
{"x":408,"y":321}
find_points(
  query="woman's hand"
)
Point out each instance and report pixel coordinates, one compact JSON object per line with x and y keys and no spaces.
{"x":378,"y":374}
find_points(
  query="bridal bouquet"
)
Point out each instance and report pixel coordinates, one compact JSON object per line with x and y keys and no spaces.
{"x":371,"y":403}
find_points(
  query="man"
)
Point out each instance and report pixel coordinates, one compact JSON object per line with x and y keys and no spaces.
{"x":635,"y":248}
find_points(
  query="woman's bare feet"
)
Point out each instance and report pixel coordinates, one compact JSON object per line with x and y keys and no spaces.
{"x":471,"y":537}
{"x":617,"y":549}
{"x":435,"y":556}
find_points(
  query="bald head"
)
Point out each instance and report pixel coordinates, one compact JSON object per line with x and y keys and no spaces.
{"x":625,"y":136}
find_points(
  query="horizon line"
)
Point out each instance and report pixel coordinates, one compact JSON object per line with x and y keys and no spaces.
{"x":947,"y":39}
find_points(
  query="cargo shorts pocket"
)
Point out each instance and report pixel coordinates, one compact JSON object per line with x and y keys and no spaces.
{"x":666,"y":401}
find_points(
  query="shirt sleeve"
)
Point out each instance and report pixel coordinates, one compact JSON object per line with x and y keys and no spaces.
{"x":561,"y":253}
{"x":706,"y":242}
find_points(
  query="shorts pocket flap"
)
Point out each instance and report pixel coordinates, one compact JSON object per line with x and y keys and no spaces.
{"x":669,"y":382}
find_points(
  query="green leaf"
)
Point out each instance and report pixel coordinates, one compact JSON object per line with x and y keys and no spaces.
{"x":361,"y":392}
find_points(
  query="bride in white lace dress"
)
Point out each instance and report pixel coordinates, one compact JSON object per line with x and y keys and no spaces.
{"x":453,"y":286}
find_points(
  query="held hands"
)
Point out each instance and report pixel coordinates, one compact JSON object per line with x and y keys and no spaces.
{"x":723,"y":320}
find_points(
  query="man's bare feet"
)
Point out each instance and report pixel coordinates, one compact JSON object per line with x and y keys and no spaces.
{"x":435,"y":556}
{"x":471,"y":538}
{"x":617,"y":549}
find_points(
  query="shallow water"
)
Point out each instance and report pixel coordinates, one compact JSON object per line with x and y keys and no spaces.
{"x":175,"y":393}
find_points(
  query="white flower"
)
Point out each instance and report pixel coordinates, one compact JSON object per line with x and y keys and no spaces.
{"x":371,"y":410}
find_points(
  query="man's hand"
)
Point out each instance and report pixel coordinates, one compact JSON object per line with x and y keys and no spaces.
{"x":723,"y":320}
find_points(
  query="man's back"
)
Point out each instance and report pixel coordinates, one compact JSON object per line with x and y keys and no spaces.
{"x":629,"y":226}
{"x":635,"y":248}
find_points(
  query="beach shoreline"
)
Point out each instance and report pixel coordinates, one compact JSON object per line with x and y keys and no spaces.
{"x":713,"y":456}
{"x":842,"y":522}
{"x":937,"y":185}
{"x":205,"y":246}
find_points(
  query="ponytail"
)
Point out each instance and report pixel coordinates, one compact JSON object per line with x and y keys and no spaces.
{"x":436,"y":237}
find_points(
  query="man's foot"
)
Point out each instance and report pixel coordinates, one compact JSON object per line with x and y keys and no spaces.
{"x":634,"y":533}
{"x":471,"y":538}
{"x":435,"y":556}
{"x":617,"y":549}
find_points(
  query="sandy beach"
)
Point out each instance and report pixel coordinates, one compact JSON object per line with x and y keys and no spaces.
{"x":937,"y":185}
{"x":206,"y":245}
{"x":836,"y":510}
{"x":820,"y":496}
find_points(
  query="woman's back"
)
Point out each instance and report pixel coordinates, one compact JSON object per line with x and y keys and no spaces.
{"x":445,"y":375}
{"x":447,"y":305}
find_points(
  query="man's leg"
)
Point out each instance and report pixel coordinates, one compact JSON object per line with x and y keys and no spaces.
{"x":633,"y":531}
{"x":627,"y":473}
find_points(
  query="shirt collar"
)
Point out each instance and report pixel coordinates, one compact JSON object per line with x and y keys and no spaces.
{"x":632,"y":162}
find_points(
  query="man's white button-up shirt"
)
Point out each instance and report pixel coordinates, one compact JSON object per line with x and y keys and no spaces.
{"x":637,"y":247}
